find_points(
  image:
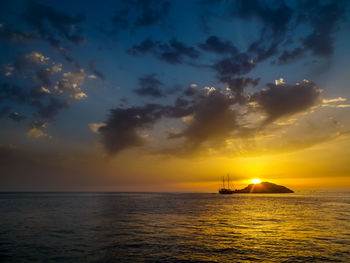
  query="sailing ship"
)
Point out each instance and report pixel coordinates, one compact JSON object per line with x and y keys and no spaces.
{"x":224,"y":190}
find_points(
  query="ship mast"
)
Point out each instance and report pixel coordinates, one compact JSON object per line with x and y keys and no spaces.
{"x":223,"y":182}
{"x":228,"y":181}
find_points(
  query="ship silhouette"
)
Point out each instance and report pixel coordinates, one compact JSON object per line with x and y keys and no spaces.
{"x":224,"y":190}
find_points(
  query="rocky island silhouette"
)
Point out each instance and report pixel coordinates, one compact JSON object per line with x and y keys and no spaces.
{"x":263,"y":188}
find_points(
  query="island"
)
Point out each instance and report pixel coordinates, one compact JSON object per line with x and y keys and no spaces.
{"x":263,"y":188}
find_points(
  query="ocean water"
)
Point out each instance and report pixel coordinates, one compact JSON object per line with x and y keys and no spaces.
{"x":162,"y":227}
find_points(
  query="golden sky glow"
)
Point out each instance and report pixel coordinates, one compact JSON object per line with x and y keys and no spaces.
{"x":153,"y":109}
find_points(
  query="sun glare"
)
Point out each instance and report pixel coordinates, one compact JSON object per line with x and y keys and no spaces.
{"x":256,"y":181}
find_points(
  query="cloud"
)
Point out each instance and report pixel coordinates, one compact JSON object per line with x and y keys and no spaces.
{"x":49,"y":22}
{"x":275,"y":18}
{"x":339,"y":99}
{"x":289,"y":56}
{"x":10,"y":34}
{"x":54,"y":27}
{"x":48,"y":110}
{"x":285,"y":100}
{"x":71,"y":83}
{"x":173,"y":52}
{"x":324,"y":18}
{"x":94,"y":127}
{"x":143,"y":48}
{"x":150,"y":86}
{"x":278,"y":36}
{"x":140,"y":13}
{"x":43,"y":84}
{"x":238,"y":85}
{"x":16,"y":116}
{"x":216,"y":45}
{"x":333,"y":103}
{"x":27,"y":62}
{"x":343,"y":106}
{"x":263,"y":49}
{"x":122,"y":126}
{"x":236,"y":65}
{"x":319,"y":45}
{"x":36,"y":58}
{"x":36,"y":130}
{"x":212,"y":119}
{"x":92,"y":68}
{"x":45,"y":76}
{"x":152,"y":12}
{"x":280,"y":20}
{"x":12,"y":92}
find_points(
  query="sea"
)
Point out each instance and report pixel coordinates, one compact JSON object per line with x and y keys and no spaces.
{"x":175,"y":227}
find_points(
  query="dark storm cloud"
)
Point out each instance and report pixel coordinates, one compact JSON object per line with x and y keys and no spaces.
{"x":319,"y":45}
{"x":219,"y":46}
{"x":150,"y":86}
{"x":275,"y":17}
{"x":284,"y":100}
{"x":12,"y":92}
{"x":213,"y":119}
{"x":144,"y":47}
{"x":236,"y":65}
{"x":140,"y":13}
{"x":18,"y":36}
{"x":289,"y":56}
{"x":152,"y":11}
{"x":45,"y":76}
{"x":55,"y":27}
{"x":49,"y":109}
{"x":237,"y":87}
{"x":16,"y":116}
{"x":279,"y":21}
{"x":261,"y":50}
{"x":181,"y":108}
{"x":49,"y":22}
{"x":45,"y":108}
{"x":122,"y":126}
{"x":324,"y":18}
{"x":189,"y":91}
{"x":173,"y":52}
{"x":211,"y":116}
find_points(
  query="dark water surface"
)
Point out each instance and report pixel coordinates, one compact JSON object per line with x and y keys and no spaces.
{"x":157,"y":227}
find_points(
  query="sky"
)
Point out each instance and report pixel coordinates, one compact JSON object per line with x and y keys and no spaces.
{"x":160,"y":95}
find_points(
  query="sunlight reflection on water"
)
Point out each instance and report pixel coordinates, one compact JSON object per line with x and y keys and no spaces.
{"x":154,"y":227}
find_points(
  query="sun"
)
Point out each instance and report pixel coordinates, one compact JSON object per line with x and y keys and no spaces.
{"x":256,"y":181}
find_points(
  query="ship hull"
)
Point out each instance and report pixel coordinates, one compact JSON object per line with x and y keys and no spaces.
{"x":225,"y":191}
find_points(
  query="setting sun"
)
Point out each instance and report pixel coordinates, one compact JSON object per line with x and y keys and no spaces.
{"x":256,"y":181}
